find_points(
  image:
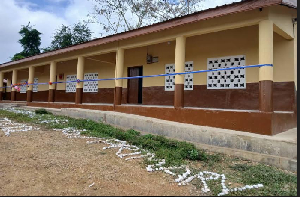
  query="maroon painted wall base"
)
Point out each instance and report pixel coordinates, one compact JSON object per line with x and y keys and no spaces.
{"x":248,"y":99}
{"x":63,"y":96}
{"x":118,"y":96}
{"x":179,"y":96}
{"x":13,"y":96}
{"x":29,"y":96}
{"x":104,"y":95}
{"x":249,"y":121}
{"x":40,"y":96}
{"x":266,"y":96}
{"x":78,"y":98}
{"x":284,"y":97}
{"x":51,"y":95}
{"x":21,"y":96}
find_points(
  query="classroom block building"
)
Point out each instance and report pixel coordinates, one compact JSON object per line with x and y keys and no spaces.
{"x":252,"y":32}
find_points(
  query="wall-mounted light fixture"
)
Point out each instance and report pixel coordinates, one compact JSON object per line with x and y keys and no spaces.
{"x":149,"y":59}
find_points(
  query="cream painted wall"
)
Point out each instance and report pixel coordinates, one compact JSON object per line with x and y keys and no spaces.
{"x":66,"y":68}
{"x":243,"y":41}
{"x":137,"y":57}
{"x":105,"y":70}
{"x":282,"y":18}
{"x":283,"y":59}
{"x":104,"y":65}
{"x":43,"y":75}
{"x":22,"y":75}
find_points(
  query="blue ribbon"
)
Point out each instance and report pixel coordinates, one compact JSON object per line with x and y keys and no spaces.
{"x":160,"y":75}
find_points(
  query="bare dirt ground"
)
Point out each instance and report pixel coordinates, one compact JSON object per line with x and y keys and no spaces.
{"x":48,"y":163}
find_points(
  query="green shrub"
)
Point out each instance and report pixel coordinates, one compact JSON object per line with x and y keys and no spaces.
{"x":193,"y":154}
{"x":42,"y":111}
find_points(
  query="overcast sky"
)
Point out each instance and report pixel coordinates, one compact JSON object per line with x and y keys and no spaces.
{"x":47,"y":16}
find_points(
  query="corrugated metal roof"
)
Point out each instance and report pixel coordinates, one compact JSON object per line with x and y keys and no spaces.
{"x":236,"y":7}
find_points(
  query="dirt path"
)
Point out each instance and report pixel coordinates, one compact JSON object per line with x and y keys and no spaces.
{"x":48,"y":163}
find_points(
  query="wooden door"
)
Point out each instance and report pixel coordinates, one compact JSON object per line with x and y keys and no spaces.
{"x":134,"y":86}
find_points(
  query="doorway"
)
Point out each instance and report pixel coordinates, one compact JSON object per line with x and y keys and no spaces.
{"x":4,"y":92}
{"x":135,"y":86}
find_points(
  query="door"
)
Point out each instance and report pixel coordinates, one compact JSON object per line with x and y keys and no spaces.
{"x":4,"y":95}
{"x":135,"y":86}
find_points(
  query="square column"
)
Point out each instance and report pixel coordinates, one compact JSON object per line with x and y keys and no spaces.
{"x":52,"y":87}
{"x":30,"y":81}
{"x":266,"y":72}
{"x":14,"y":82}
{"x":118,"y":74}
{"x":1,"y":85}
{"x":179,"y":68}
{"x":80,"y":75}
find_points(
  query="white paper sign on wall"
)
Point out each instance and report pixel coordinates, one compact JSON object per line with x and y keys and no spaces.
{"x":23,"y":88}
{"x":35,"y":87}
{"x":71,"y":86}
{"x":90,"y":86}
{"x":226,"y":79}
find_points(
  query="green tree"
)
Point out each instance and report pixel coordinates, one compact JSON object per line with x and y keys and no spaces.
{"x":30,"y":42}
{"x":115,"y":16}
{"x":67,"y":36}
{"x":17,"y":56}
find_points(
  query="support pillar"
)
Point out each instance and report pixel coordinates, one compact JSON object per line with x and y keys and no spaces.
{"x":119,"y":73}
{"x":1,"y":85}
{"x":179,"y":67}
{"x":52,"y":87}
{"x":30,"y":80}
{"x":14,"y":82}
{"x":266,"y":72}
{"x":80,"y":75}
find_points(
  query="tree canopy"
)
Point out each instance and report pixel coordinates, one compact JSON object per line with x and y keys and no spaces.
{"x":67,"y":36}
{"x":115,"y":16}
{"x":30,"y":42}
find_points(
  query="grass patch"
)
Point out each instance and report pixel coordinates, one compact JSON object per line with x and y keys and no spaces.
{"x":276,"y":182}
